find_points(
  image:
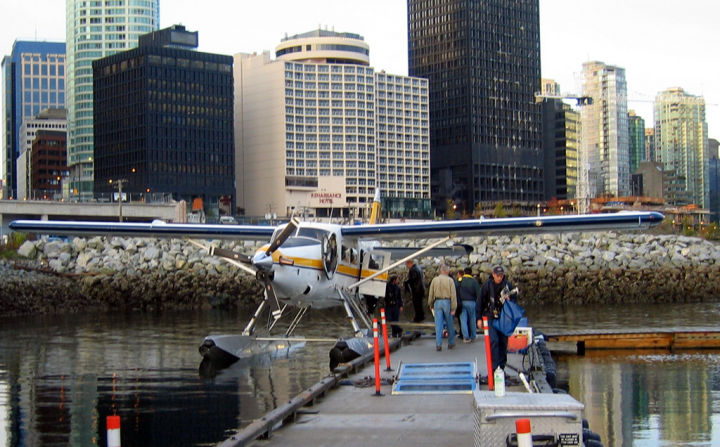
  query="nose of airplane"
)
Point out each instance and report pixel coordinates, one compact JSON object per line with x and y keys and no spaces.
{"x":262,"y":261}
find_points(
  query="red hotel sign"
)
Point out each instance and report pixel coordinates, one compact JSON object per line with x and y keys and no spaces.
{"x":326,"y":197}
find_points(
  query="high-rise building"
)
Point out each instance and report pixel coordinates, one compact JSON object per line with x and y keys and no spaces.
{"x":317,"y":130}
{"x":34,"y":79}
{"x":606,"y":130}
{"x":48,"y":156}
{"x":482,"y":60}
{"x":561,"y":137}
{"x":403,"y":144}
{"x":714,"y":195}
{"x":49,"y":120}
{"x":681,"y":140}
{"x":164,"y":121}
{"x":96,"y":29}
{"x":636,"y":139}
{"x":650,"y":144}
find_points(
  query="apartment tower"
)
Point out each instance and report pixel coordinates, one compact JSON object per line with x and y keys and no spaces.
{"x":606,"y":130}
{"x":96,"y":29}
{"x":681,"y":140}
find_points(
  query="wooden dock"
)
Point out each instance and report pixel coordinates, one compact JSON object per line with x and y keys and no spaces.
{"x":672,"y":339}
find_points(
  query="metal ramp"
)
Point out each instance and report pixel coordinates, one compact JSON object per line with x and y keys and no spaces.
{"x":436,"y":378}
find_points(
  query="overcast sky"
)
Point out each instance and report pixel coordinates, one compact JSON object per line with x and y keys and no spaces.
{"x":660,"y":43}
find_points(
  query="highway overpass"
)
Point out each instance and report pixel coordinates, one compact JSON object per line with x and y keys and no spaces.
{"x":53,"y":210}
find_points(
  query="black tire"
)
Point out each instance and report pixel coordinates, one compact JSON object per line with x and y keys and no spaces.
{"x":592,"y":443}
{"x":589,"y":435}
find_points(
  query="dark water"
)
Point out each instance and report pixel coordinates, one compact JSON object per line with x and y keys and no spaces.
{"x":643,"y":398}
{"x":61,"y":376}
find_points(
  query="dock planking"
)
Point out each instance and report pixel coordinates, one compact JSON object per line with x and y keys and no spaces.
{"x":655,"y":339}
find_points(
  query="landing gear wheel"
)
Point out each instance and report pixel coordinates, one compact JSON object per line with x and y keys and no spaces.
{"x":329,"y":255}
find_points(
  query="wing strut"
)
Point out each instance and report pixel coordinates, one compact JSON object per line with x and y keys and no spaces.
{"x":392,"y":266}
{"x":250,"y":328}
{"x":349,"y":305}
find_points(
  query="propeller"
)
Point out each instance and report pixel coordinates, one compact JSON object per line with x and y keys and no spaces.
{"x":283,"y":236}
{"x":263,"y":260}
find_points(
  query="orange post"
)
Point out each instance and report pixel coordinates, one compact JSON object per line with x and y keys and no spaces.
{"x":385,"y":338}
{"x":376,"y":343}
{"x":113,"y":431}
{"x":524,"y":433}
{"x":488,"y":354}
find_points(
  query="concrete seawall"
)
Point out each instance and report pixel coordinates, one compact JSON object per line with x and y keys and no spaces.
{"x":574,"y":268}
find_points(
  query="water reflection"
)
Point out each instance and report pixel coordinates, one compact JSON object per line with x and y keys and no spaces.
{"x":647,"y":399}
{"x":61,"y":377}
{"x":642,"y":398}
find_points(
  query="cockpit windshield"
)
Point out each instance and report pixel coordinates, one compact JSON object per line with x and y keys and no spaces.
{"x":312,"y":233}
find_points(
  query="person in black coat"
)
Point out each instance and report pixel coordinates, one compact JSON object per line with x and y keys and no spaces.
{"x":393,"y":305}
{"x":416,"y":285}
{"x":490,"y":305}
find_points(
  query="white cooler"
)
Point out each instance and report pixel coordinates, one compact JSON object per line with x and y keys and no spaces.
{"x":559,"y":415}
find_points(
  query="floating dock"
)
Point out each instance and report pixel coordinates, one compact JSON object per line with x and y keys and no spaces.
{"x":429,"y":398}
{"x":671,"y":339}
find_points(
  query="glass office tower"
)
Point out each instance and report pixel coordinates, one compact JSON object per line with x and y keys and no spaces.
{"x":96,"y":29}
{"x":482,"y":60}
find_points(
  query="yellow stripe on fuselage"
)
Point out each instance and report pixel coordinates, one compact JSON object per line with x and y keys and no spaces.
{"x":317,"y":264}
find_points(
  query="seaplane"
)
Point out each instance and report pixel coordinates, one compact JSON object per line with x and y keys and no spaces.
{"x":318,"y":265}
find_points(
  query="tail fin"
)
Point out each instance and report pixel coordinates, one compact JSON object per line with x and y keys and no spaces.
{"x":375,"y":213}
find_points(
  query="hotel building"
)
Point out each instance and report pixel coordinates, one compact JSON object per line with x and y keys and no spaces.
{"x":317,"y":130}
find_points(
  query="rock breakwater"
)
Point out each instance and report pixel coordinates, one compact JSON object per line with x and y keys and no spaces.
{"x":573,"y":268}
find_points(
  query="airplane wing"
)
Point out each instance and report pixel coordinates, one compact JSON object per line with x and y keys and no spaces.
{"x":634,"y":220}
{"x":155,"y":229}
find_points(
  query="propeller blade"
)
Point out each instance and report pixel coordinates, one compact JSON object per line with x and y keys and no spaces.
{"x":229,"y":254}
{"x":226,"y":255}
{"x":284,"y":235}
{"x":270,"y":295}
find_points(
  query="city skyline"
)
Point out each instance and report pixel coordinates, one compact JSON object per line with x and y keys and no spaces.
{"x":571,"y":33}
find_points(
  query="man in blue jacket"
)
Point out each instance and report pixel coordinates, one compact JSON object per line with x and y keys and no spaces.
{"x":489,"y":305}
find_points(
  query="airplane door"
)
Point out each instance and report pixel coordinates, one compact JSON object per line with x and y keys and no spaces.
{"x":374,"y":261}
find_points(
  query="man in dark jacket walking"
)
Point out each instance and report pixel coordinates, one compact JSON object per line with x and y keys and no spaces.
{"x":468,"y":294}
{"x":393,"y":305}
{"x":415,"y":284}
{"x":489,"y":305}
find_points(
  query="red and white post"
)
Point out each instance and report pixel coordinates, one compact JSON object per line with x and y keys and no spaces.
{"x":385,"y":338}
{"x":524,"y":434}
{"x":376,"y":343}
{"x":113,"y":431}
{"x":488,"y":354}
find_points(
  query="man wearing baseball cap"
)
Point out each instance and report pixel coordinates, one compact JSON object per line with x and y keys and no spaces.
{"x":489,"y":305}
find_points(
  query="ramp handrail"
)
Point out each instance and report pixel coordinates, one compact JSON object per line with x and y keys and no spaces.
{"x":531,"y":414}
